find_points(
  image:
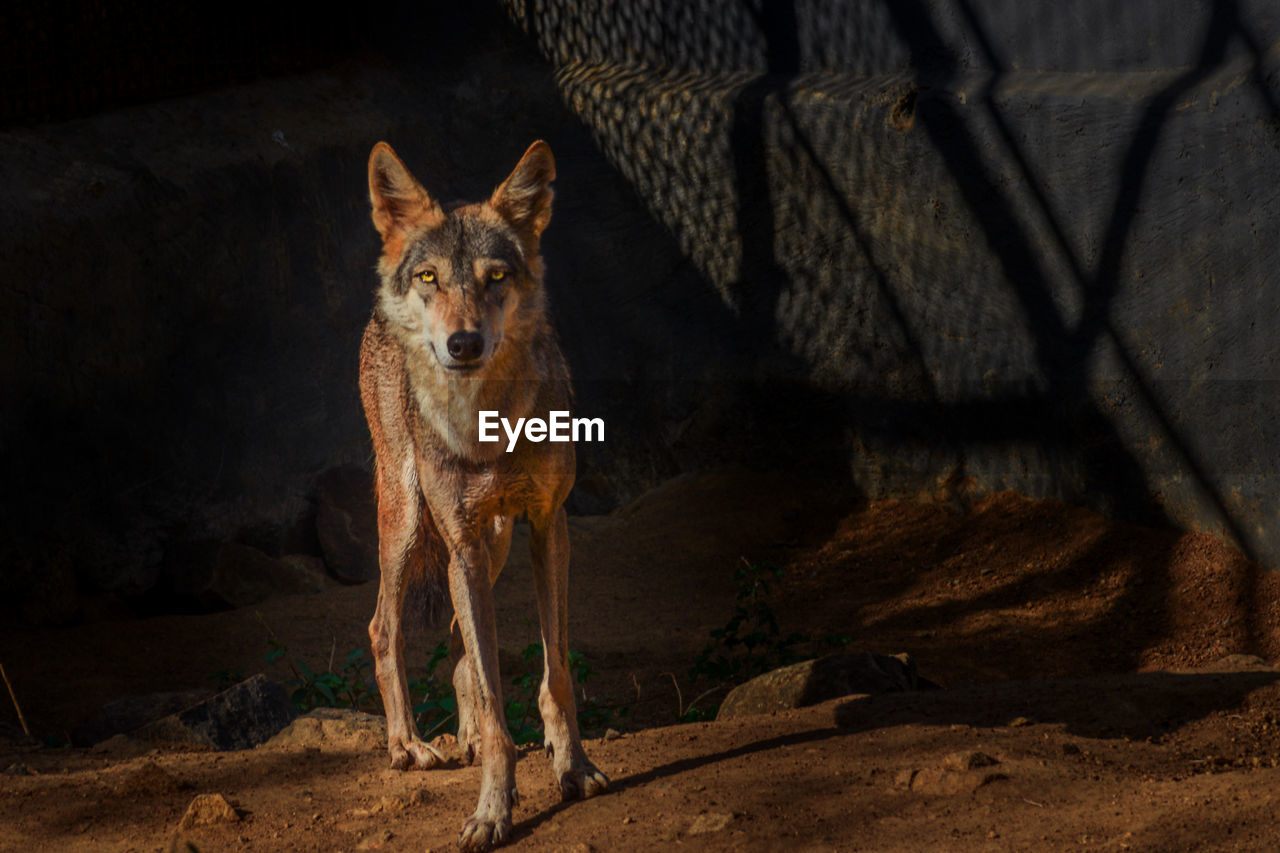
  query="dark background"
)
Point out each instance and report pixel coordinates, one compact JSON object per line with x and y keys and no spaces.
{"x":926,"y":249}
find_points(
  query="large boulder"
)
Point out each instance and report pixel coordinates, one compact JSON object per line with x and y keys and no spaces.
{"x":239,"y":718}
{"x":125,"y":715}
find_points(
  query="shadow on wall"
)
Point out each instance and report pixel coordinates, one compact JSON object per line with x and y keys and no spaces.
{"x":1025,"y":246}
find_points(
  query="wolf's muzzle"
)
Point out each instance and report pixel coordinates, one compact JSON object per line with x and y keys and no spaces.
{"x":465,"y":346}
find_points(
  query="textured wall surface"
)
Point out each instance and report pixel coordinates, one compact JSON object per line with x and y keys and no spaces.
{"x":1025,"y":245}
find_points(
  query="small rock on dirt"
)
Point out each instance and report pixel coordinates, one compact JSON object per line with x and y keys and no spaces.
{"x":941,"y":780}
{"x":814,"y":681}
{"x":404,"y":802}
{"x":1236,"y":663}
{"x":710,"y":822}
{"x":968,"y":760}
{"x":334,"y":728}
{"x":208,"y":809}
{"x":377,"y":841}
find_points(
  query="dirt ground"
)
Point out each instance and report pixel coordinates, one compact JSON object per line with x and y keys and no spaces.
{"x":1099,"y":694}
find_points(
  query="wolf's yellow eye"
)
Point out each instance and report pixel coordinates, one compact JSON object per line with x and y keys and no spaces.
{"x":497,"y":275}
{"x":427,"y":277}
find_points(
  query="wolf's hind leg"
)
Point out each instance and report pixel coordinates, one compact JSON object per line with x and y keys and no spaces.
{"x":575,"y":773}
{"x":464,"y":692}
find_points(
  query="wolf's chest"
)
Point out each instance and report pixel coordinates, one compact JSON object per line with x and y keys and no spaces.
{"x":450,"y":413}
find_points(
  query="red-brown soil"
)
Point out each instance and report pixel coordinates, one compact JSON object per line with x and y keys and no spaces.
{"x":1089,"y":659}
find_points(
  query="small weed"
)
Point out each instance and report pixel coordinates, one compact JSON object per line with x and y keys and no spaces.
{"x":521,"y":708}
{"x":432,"y":696}
{"x":523,"y":719}
{"x":694,"y":714}
{"x":434,"y":704}
{"x":750,"y":643}
{"x":308,"y":689}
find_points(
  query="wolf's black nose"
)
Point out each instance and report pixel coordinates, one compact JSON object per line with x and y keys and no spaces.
{"x":466,"y":346}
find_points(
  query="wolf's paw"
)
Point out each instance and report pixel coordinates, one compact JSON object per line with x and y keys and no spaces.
{"x":489,"y":826}
{"x":414,"y":754}
{"x":582,"y":781}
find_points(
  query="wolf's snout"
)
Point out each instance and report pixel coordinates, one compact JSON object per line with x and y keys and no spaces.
{"x":466,"y":346}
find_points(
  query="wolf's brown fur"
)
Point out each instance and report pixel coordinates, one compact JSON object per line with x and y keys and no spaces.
{"x":460,"y":326}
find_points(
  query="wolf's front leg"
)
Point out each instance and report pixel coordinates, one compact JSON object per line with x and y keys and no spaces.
{"x":399,"y":520}
{"x":575,"y":773}
{"x":499,"y":544}
{"x":469,"y":585}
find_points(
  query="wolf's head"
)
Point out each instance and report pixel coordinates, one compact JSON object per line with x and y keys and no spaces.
{"x":456,"y":280}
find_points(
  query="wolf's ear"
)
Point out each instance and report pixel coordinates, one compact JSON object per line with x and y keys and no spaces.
{"x":524,"y":198}
{"x":399,"y":201}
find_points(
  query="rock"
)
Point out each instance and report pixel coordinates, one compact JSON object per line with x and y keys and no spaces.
{"x":120,"y":746}
{"x":309,"y":570}
{"x":612,"y":734}
{"x":240,"y":718}
{"x":1236,"y":663}
{"x":943,"y":780}
{"x":409,"y":801}
{"x":207,"y":809}
{"x":125,"y":715}
{"x":347,"y":523}
{"x":377,"y":841}
{"x":208,"y":575}
{"x":968,"y":760}
{"x":17,"y":768}
{"x":710,"y":822}
{"x":814,"y":681}
{"x":334,"y":728}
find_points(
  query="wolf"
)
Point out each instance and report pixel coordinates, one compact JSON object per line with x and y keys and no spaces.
{"x":460,"y":325}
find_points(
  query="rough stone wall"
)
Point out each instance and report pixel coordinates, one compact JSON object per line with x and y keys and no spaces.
{"x":1024,"y":245}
